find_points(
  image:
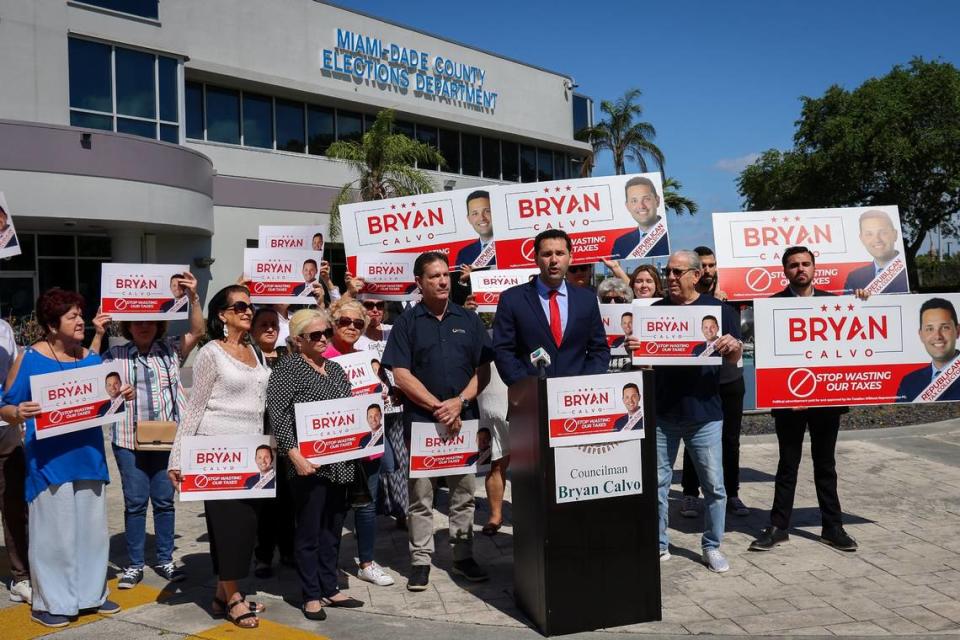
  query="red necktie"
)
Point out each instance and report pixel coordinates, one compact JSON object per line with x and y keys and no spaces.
{"x":555,"y":328}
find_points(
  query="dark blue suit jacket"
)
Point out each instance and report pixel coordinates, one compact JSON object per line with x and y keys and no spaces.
{"x":916,"y":381}
{"x":471,"y":252}
{"x":521,"y":327}
{"x":628,"y":242}
{"x":860,"y":278}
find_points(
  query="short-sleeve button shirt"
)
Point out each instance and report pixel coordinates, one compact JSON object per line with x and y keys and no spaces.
{"x":442,"y":354}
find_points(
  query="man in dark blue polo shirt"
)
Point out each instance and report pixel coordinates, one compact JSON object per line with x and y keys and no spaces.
{"x":440,"y":356}
{"x":689,"y":409}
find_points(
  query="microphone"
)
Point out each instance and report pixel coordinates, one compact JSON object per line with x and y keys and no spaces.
{"x":541,"y":360}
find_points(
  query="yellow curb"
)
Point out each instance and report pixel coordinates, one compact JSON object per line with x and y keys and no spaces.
{"x":267,"y":629}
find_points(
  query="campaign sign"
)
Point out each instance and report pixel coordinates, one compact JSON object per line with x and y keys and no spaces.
{"x":487,"y":286}
{"x":77,"y":399}
{"x":281,"y":276}
{"x":359,"y":369}
{"x":676,"y":334}
{"x":854,"y":248}
{"x":612,"y":216}
{"x":592,"y":409}
{"x":331,"y":431}
{"x":433,"y":452}
{"x":228,"y":467}
{"x":618,"y":324}
{"x":376,"y":348}
{"x":597,"y":471}
{"x":414,"y":224}
{"x":9,"y":244}
{"x":837,"y":351}
{"x":304,"y":238}
{"x":143,"y":291}
{"x":387,"y":276}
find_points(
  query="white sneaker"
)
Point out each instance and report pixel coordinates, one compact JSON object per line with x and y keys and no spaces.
{"x":664,"y":555}
{"x":690,"y":507}
{"x":715,"y":561}
{"x":21,"y":592}
{"x":374,"y":573}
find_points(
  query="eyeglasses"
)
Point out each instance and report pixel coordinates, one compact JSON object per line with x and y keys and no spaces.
{"x":579,"y":268}
{"x":239,"y":307}
{"x":613,"y":299}
{"x":369,"y":305}
{"x":676,"y":273}
{"x":316,"y":336}
{"x":343,"y":323}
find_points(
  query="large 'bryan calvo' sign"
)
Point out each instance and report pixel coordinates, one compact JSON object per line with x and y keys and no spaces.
{"x":593,"y":409}
{"x":77,"y":398}
{"x":331,"y":431}
{"x":143,"y":291}
{"x":676,"y":335}
{"x":854,"y":248}
{"x":837,"y":351}
{"x":228,"y":467}
{"x":281,"y":276}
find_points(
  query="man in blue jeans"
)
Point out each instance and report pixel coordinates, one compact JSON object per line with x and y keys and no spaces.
{"x":689,"y":409}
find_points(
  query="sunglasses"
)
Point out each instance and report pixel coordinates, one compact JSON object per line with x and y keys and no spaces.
{"x":240,"y":307}
{"x":579,"y":268}
{"x":343,"y":323}
{"x":676,"y":273}
{"x":614,"y":299}
{"x":316,"y":336}
{"x":370,"y":304}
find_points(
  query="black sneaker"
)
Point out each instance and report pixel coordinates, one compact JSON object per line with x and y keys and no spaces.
{"x":769,"y":538}
{"x":170,"y":572}
{"x":130,"y":578}
{"x":838,"y":539}
{"x":419,"y":577}
{"x":470,"y":570}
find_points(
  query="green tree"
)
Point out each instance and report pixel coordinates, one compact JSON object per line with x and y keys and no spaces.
{"x":894,"y":140}
{"x":384,"y":162}
{"x":620,"y":134}
{"x":674,"y":201}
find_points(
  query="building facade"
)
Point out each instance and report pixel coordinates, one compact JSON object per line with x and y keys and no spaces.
{"x":168,"y":131}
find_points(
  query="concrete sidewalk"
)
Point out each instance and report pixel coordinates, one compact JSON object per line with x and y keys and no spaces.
{"x":900,"y":489}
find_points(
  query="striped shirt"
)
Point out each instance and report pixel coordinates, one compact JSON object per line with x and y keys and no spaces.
{"x":155,"y":377}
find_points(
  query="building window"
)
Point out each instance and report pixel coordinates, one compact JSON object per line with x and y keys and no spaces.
{"x":560,"y":166}
{"x":257,"y":121}
{"x":141,"y":8}
{"x":582,"y":113}
{"x":544,"y":164}
{"x":470,"y":153}
{"x":320,"y":128}
{"x":427,"y":135}
{"x":528,"y":164}
{"x":193,"y":108}
{"x":509,"y":156}
{"x":223,"y":115}
{"x":491,"y":158}
{"x":125,"y":90}
{"x":349,"y":125}
{"x":290,"y":126}
{"x":449,"y":145}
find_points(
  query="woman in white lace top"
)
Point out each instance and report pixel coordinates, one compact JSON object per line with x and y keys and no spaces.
{"x":227,"y":398}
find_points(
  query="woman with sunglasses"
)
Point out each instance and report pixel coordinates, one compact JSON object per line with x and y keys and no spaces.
{"x":227,"y":398}
{"x":320,"y":491}
{"x":349,"y":325}
{"x":614,"y":291}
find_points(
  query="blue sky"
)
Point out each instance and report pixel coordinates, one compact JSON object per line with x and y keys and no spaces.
{"x":721,"y":81}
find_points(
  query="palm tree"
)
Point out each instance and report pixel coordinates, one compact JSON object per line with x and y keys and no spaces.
{"x":619,"y":134}
{"x":384,"y":162}
{"x":673,"y":201}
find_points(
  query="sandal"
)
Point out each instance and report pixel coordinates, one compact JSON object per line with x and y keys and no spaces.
{"x":219,"y":607}
{"x":240,"y":620}
{"x":491,"y":529}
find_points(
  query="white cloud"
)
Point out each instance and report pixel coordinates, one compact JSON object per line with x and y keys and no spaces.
{"x":736,"y":165}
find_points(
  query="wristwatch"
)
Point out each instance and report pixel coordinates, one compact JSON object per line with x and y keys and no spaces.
{"x":466,"y":403}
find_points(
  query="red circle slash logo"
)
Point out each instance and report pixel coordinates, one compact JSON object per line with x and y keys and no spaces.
{"x":429,"y":462}
{"x":652,"y":347}
{"x":570,"y":425}
{"x":319,"y":446}
{"x":201,"y":482}
{"x":526,"y":250}
{"x":55,"y":417}
{"x":802,"y":383}
{"x":259,"y":287}
{"x":758,"y":279}
{"x":120,"y":304}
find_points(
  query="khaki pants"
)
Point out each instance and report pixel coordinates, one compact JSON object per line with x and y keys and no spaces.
{"x":420,"y":517}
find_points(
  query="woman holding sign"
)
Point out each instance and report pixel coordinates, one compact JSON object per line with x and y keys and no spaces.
{"x":66,"y":475}
{"x":320,"y":491}
{"x":228,"y":398}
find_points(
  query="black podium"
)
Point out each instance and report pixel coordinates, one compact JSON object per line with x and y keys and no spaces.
{"x":580,"y":566}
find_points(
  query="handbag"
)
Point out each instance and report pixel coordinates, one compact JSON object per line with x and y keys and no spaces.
{"x":155,"y":435}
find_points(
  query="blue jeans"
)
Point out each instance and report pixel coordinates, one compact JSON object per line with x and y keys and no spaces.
{"x":365,"y":517}
{"x":143,"y":475}
{"x":704,"y":442}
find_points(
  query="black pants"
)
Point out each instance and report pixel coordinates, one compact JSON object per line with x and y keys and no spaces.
{"x":320,"y":508}
{"x":823,"y":426}
{"x":731,"y":400}
{"x":13,"y":509}
{"x":232,"y":528}
{"x":275,"y":527}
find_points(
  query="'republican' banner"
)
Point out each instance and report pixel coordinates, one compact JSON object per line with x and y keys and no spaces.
{"x":228,"y":467}
{"x":621,"y":217}
{"x":598,"y":471}
{"x":676,"y":334}
{"x":415,"y":224}
{"x":594,"y":409}
{"x":387,"y":276}
{"x":839,"y":350}
{"x":343,"y":429}
{"x":77,"y":398}
{"x":487,"y":286}
{"x":281,"y":276}
{"x":433,"y":452}
{"x":300,"y":237}
{"x":143,"y":291}
{"x":360,"y":369}
{"x":9,"y":244}
{"x":618,"y":323}
{"x":854,"y":248}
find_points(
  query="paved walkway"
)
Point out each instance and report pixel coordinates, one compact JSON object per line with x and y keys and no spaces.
{"x":900,"y":489}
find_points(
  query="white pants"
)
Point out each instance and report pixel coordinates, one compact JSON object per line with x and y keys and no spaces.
{"x":69,"y":547}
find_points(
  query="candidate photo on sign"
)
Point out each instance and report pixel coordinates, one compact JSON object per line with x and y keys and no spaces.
{"x":710,"y":329}
{"x":309,"y":271}
{"x":375,"y":422}
{"x":479,"y":217}
{"x":879,"y":238}
{"x":267,"y":478}
{"x":179,"y":293}
{"x":631,"y":401}
{"x":115,"y":405}
{"x":938,"y":333}
{"x":643,"y":203}
{"x":317,"y":242}
{"x":7,"y":236}
{"x":626,"y":325}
